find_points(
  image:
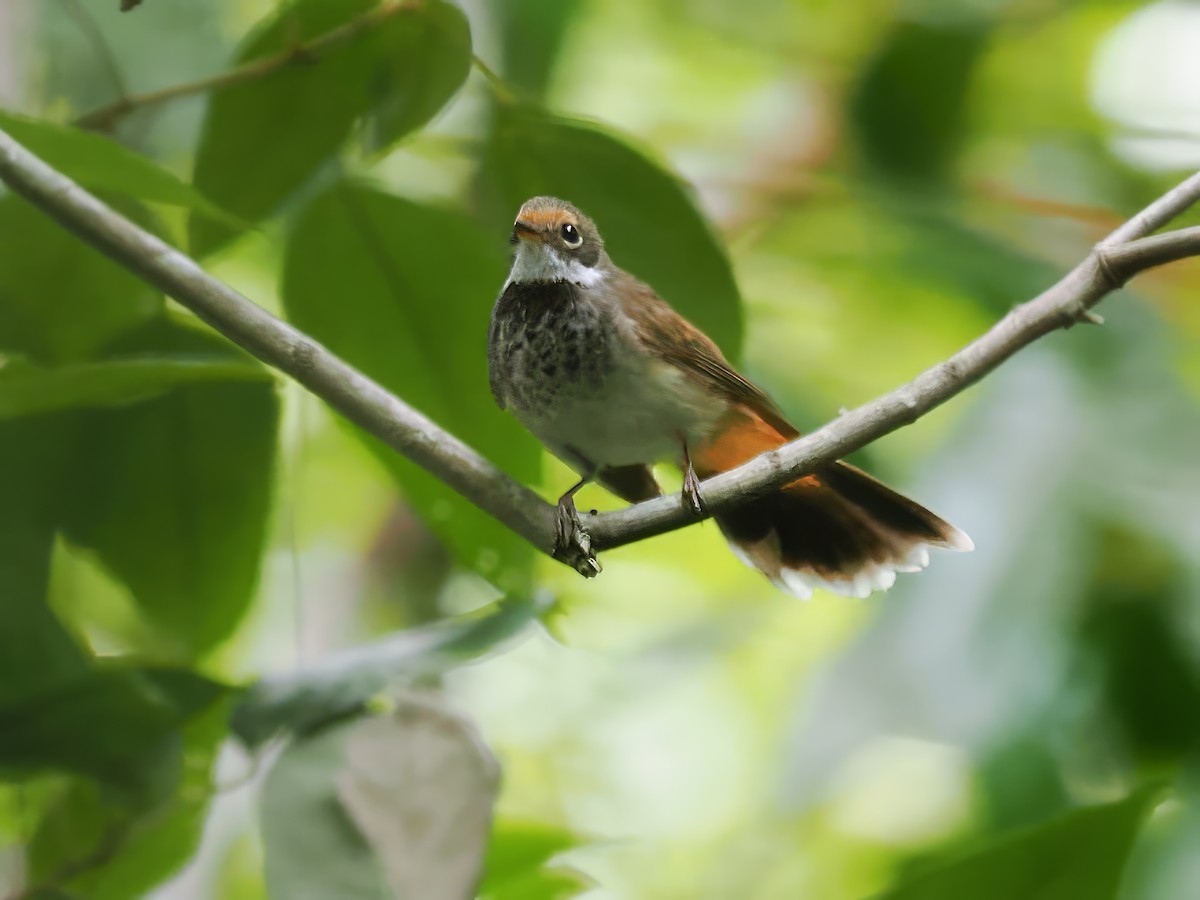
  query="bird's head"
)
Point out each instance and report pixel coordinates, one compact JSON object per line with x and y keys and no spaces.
{"x":555,"y":242}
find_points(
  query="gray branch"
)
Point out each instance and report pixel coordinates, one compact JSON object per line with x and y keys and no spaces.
{"x":1111,"y":263}
{"x":353,"y":394}
{"x":1123,"y":254}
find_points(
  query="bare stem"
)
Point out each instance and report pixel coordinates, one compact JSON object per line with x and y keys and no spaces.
{"x":105,"y":117}
{"x":501,"y":91}
{"x":94,"y":36}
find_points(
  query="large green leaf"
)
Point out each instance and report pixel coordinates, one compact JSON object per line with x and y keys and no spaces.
{"x":35,"y":650}
{"x":27,"y":389}
{"x":404,"y":292}
{"x":648,"y":220}
{"x":60,"y":300}
{"x":1134,"y":635}
{"x":343,"y":682}
{"x":311,"y":848}
{"x":419,"y":783}
{"x":264,"y":138}
{"x":395,"y":805}
{"x":116,"y":725}
{"x":173,"y":495}
{"x":1077,"y":856}
{"x":101,"y":164}
{"x":1021,"y":782}
{"x":909,"y":109}
{"x":425,"y":58}
{"x":533,"y":33}
{"x":152,"y":840}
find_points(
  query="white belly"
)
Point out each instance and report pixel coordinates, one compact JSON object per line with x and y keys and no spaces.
{"x":643,"y":414}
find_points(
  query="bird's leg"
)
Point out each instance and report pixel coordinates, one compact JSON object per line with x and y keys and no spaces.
{"x":567,"y":520}
{"x":572,"y":544}
{"x":691,"y":485}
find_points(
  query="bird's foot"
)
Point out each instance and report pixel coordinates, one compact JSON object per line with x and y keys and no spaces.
{"x":572,"y":543}
{"x":691,"y":492}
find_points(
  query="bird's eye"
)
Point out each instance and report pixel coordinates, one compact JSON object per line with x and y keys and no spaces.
{"x":570,"y":235}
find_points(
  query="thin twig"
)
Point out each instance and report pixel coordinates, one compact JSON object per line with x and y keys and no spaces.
{"x":105,"y":117}
{"x":1158,"y":213}
{"x":91,"y":31}
{"x":500,"y":89}
{"x":1126,"y":252}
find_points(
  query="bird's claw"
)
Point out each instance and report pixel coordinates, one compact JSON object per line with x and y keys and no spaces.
{"x":691,"y":493}
{"x":572,"y":544}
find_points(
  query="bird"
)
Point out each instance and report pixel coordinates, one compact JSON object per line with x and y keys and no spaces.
{"x":612,"y":380}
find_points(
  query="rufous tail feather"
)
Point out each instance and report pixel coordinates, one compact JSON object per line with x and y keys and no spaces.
{"x":838,"y":528}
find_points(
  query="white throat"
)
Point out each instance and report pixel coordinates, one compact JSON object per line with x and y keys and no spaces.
{"x":535,"y":263}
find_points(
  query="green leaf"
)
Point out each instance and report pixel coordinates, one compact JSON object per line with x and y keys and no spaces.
{"x":419,"y":783}
{"x":101,"y":164}
{"x":1077,"y":856}
{"x":341,"y":683}
{"x":27,"y":389}
{"x":394,"y":805}
{"x":149,"y":843}
{"x":36,"y":652}
{"x":60,"y":300}
{"x":1132,"y":634}
{"x":116,"y":725}
{"x":414,"y":287}
{"x":648,"y":220}
{"x":425,"y":58}
{"x":514,"y":867}
{"x":311,"y":849}
{"x":909,"y":110}
{"x":533,"y":33}
{"x":1021,"y":782}
{"x":173,"y":495}
{"x":263,"y":138}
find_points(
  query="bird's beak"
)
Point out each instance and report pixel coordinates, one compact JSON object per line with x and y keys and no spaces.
{"x":523,"y":231}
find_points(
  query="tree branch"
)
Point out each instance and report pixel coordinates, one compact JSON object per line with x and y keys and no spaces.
{"x":278,"y":344}
{"x":103,"y":118}
{"x":1110,"y":264}
{"x":1120,"y":256}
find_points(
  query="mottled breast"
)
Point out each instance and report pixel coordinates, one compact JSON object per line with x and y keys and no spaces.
{"x":547,"y":345}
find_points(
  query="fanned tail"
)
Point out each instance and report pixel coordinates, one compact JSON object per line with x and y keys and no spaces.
{"x":838,"y":528}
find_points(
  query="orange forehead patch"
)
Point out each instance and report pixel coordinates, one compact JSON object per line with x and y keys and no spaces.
{"x":540,"y":218}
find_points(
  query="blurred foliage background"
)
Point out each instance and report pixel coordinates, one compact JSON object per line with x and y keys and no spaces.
{"x":842,"y":194}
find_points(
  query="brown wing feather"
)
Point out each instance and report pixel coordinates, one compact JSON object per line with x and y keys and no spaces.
{"x":837,"y":525}
{"x":673,"y":338}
